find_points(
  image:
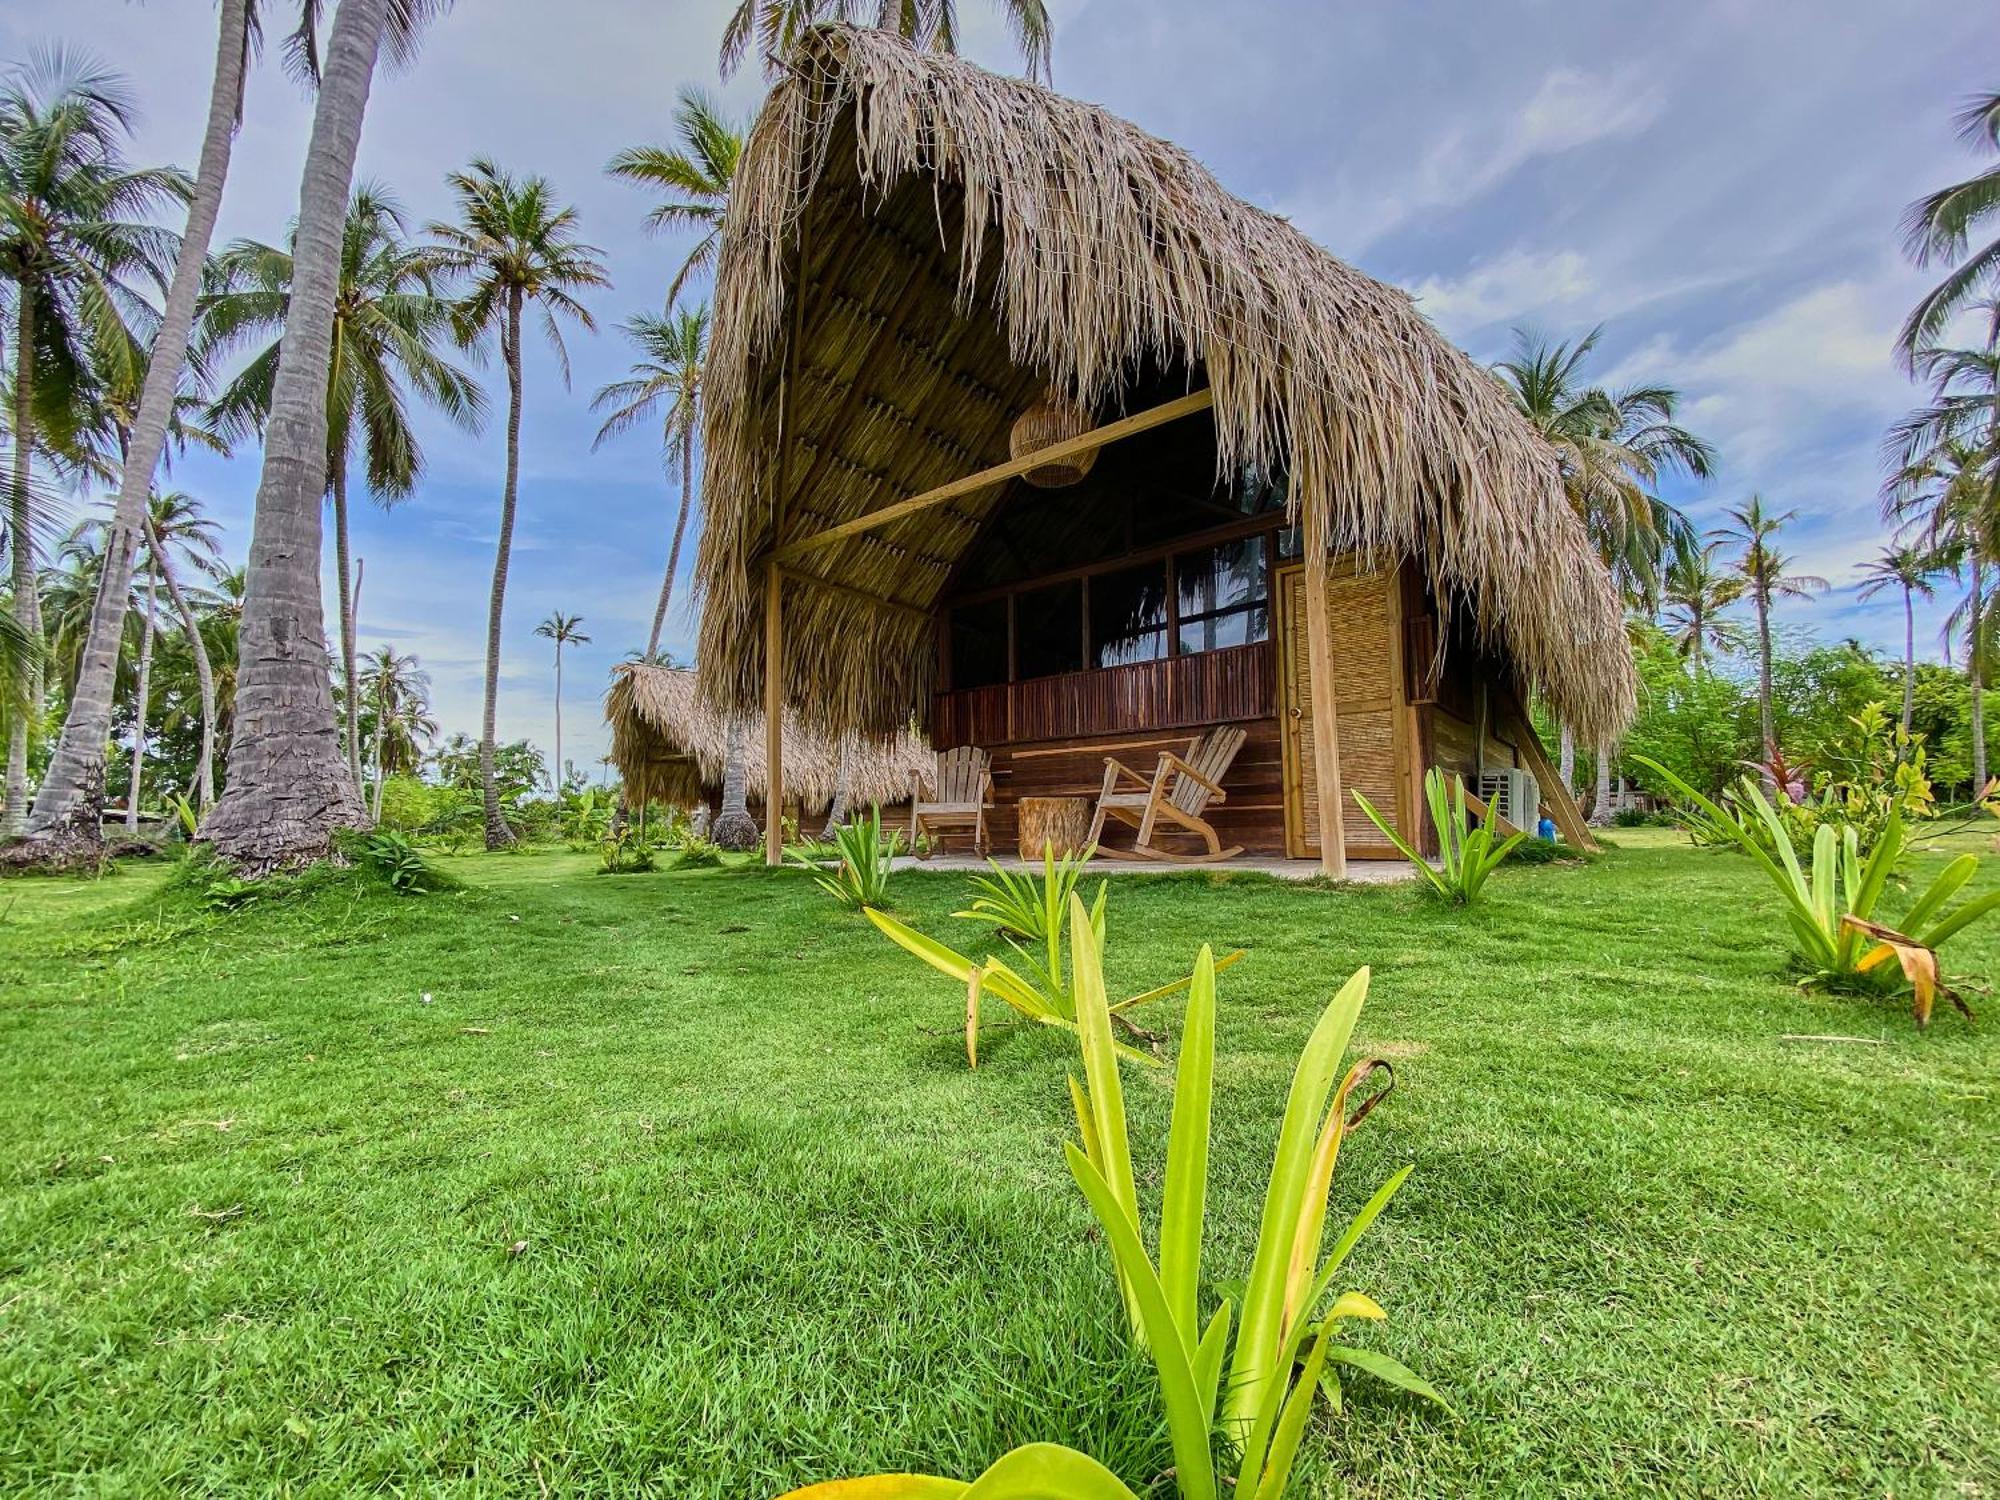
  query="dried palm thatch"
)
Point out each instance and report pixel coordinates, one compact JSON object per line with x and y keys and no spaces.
{"x":965,"y":240}
{"x":669,"y":747}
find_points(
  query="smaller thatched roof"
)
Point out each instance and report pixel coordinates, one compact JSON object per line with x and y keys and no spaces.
{"x":669,"y":747}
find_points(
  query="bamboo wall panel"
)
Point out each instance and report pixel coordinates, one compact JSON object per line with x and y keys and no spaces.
{"x":1370,"y":708}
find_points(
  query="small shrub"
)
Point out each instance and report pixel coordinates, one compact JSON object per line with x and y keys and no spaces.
{"x":1286,"y":1351}
{"x":1545,"y":852}
{"x":1468,"y":855}
{"x":861,"y":879}
{"x":1830,"y":904}
{"x":623,"y":851}
{"x":1017,"y":906}
{"x":228,"y":892}
{"x":392,"y":856}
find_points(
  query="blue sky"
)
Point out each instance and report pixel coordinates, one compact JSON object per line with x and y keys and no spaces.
{"x":1719,"y":183}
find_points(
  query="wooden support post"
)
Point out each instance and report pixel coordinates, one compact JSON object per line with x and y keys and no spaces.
{"x":1562,"y":806}
{"x":1326,"y":719}
{"x":774,"y":718}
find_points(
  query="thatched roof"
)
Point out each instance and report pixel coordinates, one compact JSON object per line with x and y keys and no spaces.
{"x":669,"y":747}
{"x":967,"y":239}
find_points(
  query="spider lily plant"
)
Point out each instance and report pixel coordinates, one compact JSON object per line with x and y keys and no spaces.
{"x":1045,"y":994}
{"x":1018,"y":906}
{"x":1268,"y":1398}
{"x":860,"y":877}
{"x":1263,"y":1407}
{"x":1830,"y":905}
{"x":1468,"y":855}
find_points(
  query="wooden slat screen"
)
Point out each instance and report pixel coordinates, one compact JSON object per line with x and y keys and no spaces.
{"x":1212,"y":687}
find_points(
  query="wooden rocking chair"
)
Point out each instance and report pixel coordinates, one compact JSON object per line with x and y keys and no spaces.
{"x":1178,"y":792}
{"x":962,"y":790}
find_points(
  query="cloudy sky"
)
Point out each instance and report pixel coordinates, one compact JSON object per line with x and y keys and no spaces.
{"x":1717,"y":182}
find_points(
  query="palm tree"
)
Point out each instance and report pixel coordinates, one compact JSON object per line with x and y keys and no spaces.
{"x":1695,"y":592}
{"x":514,"y":245}
{"x":67,"y":804}
{"x":1948,"y":493}
{"x":1612,"y":447}
{"x":931,"y":24}
{"x":289,"y":785}
{"x":1939,"y":227}
{"x":733,"y":827}
{"x":74,"y":242}
{"x":675,"y":350}
{"x":695,"y":179}
{"x":562,"y":629}
{"x":174,"y":522}
{"x":1914,"y":571}
{"x":398,"y":694}
{"x":1766,"y":579}
{"x":388,"y":323}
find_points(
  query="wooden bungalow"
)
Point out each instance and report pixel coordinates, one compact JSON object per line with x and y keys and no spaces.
{"x":1019,"y":425}
{"x":670,"y":747}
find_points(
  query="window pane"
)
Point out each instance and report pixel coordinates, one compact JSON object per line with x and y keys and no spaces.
{"x":979,"y":644}
{"x":1048,"y":629}
{"x":1128,"y":615}
{"x":1222,"y":576}
{"x":1233,"y":627}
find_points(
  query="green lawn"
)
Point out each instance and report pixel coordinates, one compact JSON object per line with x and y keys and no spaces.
{"x":265,"y":1173}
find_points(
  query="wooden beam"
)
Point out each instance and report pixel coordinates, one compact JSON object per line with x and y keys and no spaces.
{"x":1562,"y":806}
{"x":774,"y":718}
{"x":1086,"y":442}
{"x":1326,"y":719}
{"x":876,"y":601}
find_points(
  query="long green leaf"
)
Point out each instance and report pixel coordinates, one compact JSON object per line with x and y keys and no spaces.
{"x":1189,"y":1421}
{"x":1438,"y":882}
{"x":1967,"y":914}
{"x":1184,"y":1201}
{"x":930,"y":950}
{"x":1100,"y":1065}
{"x":1382,"y":1367}
{"x":1276,"y":1472}
{"x":1254,"y":1365}
{"x":1950,"y":880}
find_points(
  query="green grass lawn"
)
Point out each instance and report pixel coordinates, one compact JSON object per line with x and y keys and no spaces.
{"x":677,"y":1184}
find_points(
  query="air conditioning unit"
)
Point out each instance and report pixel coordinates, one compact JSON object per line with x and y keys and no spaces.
{"x":1514,"y":795}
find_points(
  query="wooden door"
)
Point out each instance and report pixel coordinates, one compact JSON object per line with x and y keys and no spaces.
{"x":1366,"y":611}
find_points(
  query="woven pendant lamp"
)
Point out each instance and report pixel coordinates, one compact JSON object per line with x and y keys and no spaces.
{"x":1053,"y":419}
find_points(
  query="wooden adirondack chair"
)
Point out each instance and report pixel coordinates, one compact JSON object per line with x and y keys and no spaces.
{"x":1177,"y":793}
{"x":961,"y":792}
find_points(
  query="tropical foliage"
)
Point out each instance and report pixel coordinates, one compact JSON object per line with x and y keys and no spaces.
{"x":1831,"y":897}
{"x":1468,"y":853}
{"x":1286,"y":1347}
{"x":863,"y":858}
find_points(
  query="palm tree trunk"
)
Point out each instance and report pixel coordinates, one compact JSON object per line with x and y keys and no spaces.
{"x":498,"y":834}
{"x":71,"y":799}
{"x":204,"y":669}
{"x":1909,"y":667}
{"x":349,"y":678}
{"x":1764,"y":723}
{"x":27,"y":600}
{"x":381,"y":741}
{"x":674,"y":551}
{"x":733,"y":828}
{"x":1600,"y":805}
{"x":1978,"y":675}
{"x":142,"y":696}
{"x":1566,"y":750}
{"x":289,"y":788}
{"x":559,"y":763}
{"x":837,"y":813}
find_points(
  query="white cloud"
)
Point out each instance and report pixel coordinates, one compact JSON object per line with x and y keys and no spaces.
{"x":1517,"y":285}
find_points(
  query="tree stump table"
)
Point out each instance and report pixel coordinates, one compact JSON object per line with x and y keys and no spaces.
{"x":1059,"y":823}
